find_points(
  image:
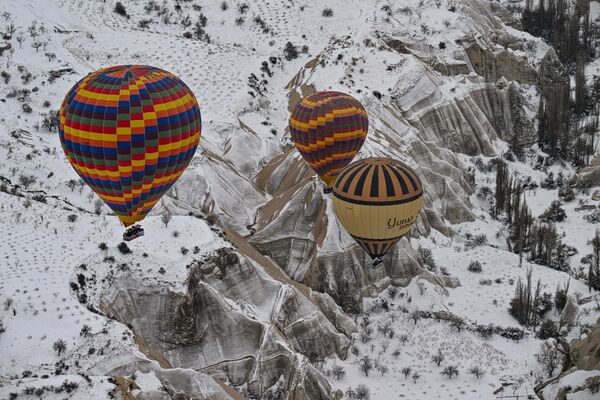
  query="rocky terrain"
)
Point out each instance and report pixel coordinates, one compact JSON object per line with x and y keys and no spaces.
{"x":245,"y":285}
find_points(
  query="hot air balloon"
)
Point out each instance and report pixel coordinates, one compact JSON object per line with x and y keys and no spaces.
{"x":377,"y":200}
{"x":130,"y":131}
{"x":328,"y":129}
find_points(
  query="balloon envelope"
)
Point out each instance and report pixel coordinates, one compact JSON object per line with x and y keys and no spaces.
{"x":328,"y":129}
{"x":130,"y":131}
{"x":377,"y":200}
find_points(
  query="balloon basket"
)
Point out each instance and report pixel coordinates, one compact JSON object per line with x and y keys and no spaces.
{"x":134,"y":232}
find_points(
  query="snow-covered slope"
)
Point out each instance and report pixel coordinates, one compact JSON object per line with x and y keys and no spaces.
{"x":235,"y":296}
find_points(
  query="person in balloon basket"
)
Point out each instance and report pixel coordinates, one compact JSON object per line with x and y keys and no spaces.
{"x":133,"y":232}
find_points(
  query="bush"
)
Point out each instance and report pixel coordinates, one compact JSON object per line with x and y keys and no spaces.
{"x":450,"y":371}
{"x":72,"y":217}
{"x":475,"y":241}
{"x":475,"y":266}
{"x":123,"y":248}
{"x":362,"y":393}
{"x":476,"y":372}
{"x":327,"y":12}
{"x":547,"y":330}
{"x":103,"y":246}
{"x":50,"y":121}
{"x":427,"y":257}
{"x":554,"y":213}
{"x":566,"y":193}
{"x":593,"y":217}
{"x":26,"y":108}
{"x":120,"y":9}
{"x":290,"y":52}
{"x":560,"y":299}
{"x":144,"y":23}
{"x":512,"y":333}
{"x":338,"y":372}
{"x":438,"y":358}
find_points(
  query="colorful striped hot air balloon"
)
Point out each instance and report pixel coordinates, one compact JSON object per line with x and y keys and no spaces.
{"x":328,"y":129}
{"x":377,"y":200}
{"x":130,"y":131}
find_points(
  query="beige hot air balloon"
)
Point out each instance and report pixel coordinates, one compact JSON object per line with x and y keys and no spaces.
{"x":377,"y":200}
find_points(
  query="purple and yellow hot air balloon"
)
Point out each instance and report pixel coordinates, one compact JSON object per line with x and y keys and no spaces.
{"x":328,"y":129}
{"x":130,"y":131}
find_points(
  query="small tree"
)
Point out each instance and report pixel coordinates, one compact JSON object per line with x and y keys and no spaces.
{"x":438,"y":358}
{"x":120,"y":9}
{"x":406,"y":371}
{"x":476,"y":372}
{"x":547,"y":330}
{"x":86,"y":330}
{"x":383,"y":369}
{"x":450,"y":371}
{"x":338,"y":372}
{"x":59,"y":346}
{"x":416,"y":377}
{"x":144,"y":23}
{"x":457,"y":322}
{"x":327,"y":12}
{"x":362,"y":393}
{"x":554,"y":213}
{"x":475,"y":266}
{"x":290,"y":51}
{"x":2,"y":328}
{"x":366,"y":365}
{"x":403,"y":339}
{"x":415,"y":316}
{"x":549,"y":357}
{"x":26,"y":180}
{"x":166,"y":217}
{"x":123,"y":248}
{"x":20,"y":39}
{"x":98,"y":206}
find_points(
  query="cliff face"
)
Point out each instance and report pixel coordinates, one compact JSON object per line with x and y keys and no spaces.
{"x":427,"y":119}
{"x":237,"y":323}
{"x":585,"y":353}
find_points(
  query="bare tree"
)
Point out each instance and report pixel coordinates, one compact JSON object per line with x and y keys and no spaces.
{"x":366,"y":364}
{"x":59,"y":346}
{"x":166,"y":217}
{"x":415,"y":316}
{"x":416,"y":377}
{"x":549,"y":357}
{"x":406,"y":371}
{"x":450,"y":371}
{"x":11,"y":29}
{"x":86,"y":330}
{"x":20,"y":39}
{"x":476,"y":372}
{"x":338,"y":372}
{"x":438,"y":358}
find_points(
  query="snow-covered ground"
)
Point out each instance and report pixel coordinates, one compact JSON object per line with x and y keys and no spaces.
{"x":46,"y":246}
